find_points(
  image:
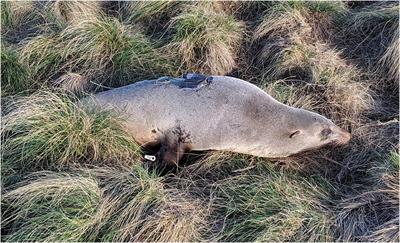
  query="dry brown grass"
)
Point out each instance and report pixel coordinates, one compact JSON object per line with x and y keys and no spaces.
{"x":278,"y":24}
{"x":294,"y":49}
{"x":390,"y":59}
{"x":118,"y":205}
{"x":75,"y":11}
{"x":144,"y":210}
{"x":72,"y":82}
{"x":150,"y":11}
{"x":102,"y":49}
{"x":371,"y":215}
{"x":14,"y":13}
{"x":56,"y":131}
{"x":370,"y":36}
{"x":206,"y":38}
{"x":50,"y":207}
{"x":291,"y":95}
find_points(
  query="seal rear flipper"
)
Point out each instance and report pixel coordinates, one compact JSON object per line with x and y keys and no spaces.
{"x":171,"y":154}
{"x":163,"y":156}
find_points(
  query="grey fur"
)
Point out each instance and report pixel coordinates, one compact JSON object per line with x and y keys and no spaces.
{"x":218,"y":113}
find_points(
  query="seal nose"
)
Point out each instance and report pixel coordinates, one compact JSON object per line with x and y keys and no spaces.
{"x":341,"y":136}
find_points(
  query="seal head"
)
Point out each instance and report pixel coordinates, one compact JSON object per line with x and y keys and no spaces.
{"x":303,"y":131}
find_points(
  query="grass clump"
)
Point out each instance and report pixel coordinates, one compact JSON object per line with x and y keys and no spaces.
{"x":43,"y":57}
{"x":319,"y":70}
{"x":101,"y":204}
{"x":22,"y":20}
{"x":148,"y":11}
{"x":15,"y":75}
{"x":99,"y":40}
{"x":298,"y":17}
{"x":73,"y":82}
{"x":101,"y":49}
{"x":206,"y":39}
{"x":331,"y":7}
{"x":107,"y":44}
{"x":389,"y":62}
{"x":75,"y":11}
{"x":294,"y":49}
{"x":373,"y":34}
{"x":290,"y":29}
{"x":51,"y":130}
{"x":290,"y":94}
{"x":271,"y":206}
{"x":50,"y":207}
{"x":14,"y":13}
{"x":331,"y":77}
{"x":144,"y":210}
{"x":372,"y":214}
{"x":152,"y":16}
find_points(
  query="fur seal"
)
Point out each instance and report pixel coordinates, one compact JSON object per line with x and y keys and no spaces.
{"x":217,"y":113}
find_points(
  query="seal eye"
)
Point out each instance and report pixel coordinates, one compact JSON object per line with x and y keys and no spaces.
{"x":325,"y":133}
{"x":293,"y":134}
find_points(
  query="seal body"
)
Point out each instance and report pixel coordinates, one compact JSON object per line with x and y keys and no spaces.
{"x":216,"y":113}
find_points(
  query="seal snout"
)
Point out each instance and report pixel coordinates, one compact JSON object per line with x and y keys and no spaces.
{"x":341,"y":136}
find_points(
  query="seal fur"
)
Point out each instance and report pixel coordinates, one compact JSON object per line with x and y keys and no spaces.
{"x":217,"y":113}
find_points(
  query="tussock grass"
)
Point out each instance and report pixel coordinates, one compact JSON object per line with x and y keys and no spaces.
{"x":14,"y":13}
{"x":297,"y":17}
{"x":373,"y":33}
{"x":149,"y":11}
{"x":144,"y":210}
{"x":107,"y":44}
{"x":15,"y":75}
{"x":390,"y":59}
{"x":102,"y":204}
{"x":72,"y":82}
{"x":323,"y":73}
{"x":51,"y":130}
{"x":43,"y":57}
{"x":372,"y":214}
{"x":26,"y":19}
{"x":75,"y":11}
{"x":293,"y":49}
{"x":372,"y":18}
{"x":97,"y":41}
{"x":288,"y":31}
{"x":101,"y":49}
{"x":331,"y":7}
{"x":152,"y":16}
{"x":267,"y":205}
{"x":206,"y":39}
{"x":291,"y":95}
{"x":50,"y":207}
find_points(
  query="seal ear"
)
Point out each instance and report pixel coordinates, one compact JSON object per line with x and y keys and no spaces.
{"x":294,"y":134}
